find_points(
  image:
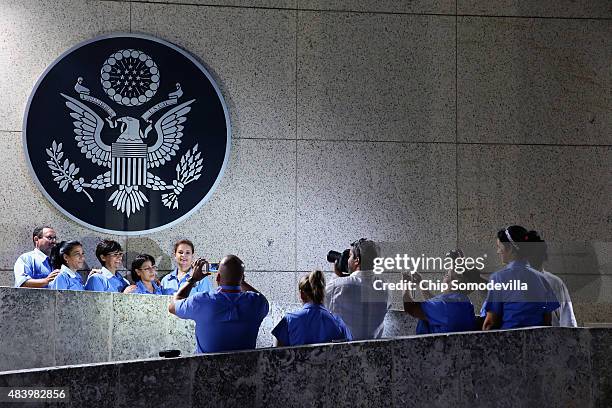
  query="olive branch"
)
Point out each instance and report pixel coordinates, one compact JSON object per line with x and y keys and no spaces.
{"x":64,"y":173}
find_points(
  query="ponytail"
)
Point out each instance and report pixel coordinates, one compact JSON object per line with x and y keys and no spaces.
{"x":538,"y":250}
{"x":313,"y":285}
{"x":56,"y":257}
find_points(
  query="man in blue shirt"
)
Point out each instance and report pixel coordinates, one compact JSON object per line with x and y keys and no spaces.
{"x":227,"y":319}
{"x":33,"y":269}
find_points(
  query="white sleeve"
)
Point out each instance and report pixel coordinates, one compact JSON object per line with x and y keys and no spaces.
{"x":20,"y":272}
{"x":567,"y":318}
{"x":330,"y":296}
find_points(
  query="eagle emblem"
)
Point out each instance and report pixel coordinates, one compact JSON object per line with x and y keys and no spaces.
{"x":140,"y":144}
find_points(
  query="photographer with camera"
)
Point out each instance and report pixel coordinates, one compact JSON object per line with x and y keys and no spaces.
{"x":352,"y":295}
{"x":226,"y":319}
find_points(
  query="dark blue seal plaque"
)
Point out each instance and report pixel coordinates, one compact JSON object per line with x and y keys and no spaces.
{"x":126,"y":134}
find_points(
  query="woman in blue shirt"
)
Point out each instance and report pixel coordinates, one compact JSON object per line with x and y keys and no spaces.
{"x":144,"y":273}
{"x":183,"y":255}
{"x":313,"y":323}
{"x":108,"y":279}
{"x":519,"y":306}
{"x":68,"y":257}
{"x":450,"y":311}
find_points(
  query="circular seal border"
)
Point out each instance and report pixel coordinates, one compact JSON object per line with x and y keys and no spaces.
{"x":183,"y":52}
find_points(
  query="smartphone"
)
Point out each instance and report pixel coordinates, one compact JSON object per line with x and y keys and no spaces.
{"x":213,"y":267}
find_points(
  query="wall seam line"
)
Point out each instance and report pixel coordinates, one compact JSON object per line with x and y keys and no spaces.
{"x":405,"y":142}
{"x":110,"y":328}
{"x":407,"y":13}
{"x":456,"y":124}
{"x":54,"y":327}
{"x":295,"y":243}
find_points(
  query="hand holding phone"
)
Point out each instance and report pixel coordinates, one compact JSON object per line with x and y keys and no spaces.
{"x":198,"y":267}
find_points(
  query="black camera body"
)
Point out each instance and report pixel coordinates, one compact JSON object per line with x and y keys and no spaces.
{"x":340,"y":260}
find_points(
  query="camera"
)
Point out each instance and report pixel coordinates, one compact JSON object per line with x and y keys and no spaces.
{"x":340,"y":259}
{"x":170,"y":353}
{"x":213,"y":267}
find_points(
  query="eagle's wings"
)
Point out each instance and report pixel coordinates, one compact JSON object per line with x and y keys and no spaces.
{"x":169,"y":133}
{"x":87,"y":127}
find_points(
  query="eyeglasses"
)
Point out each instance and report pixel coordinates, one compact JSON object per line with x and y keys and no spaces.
{"x":51,"y":238}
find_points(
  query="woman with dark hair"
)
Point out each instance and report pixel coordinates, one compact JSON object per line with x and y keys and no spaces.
{"x":451,"y":310}
{"x":108,"y":279}
{"x":313,"y":323}
{"x":524,"y":298}
{"x":144,"y":273}
{"x":68,"y":257}
{"x":538,"y":254}
{"x":183,"y":255}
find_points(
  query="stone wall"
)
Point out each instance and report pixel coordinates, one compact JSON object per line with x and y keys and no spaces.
{"x":432,"y":123}
{"x":41,"y":328}
{"x":543,"y":367}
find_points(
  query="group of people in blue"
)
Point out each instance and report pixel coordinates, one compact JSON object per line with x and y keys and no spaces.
{"x":542,"y":301}
{"x":56,"y":266}
{"x":228,"y":317}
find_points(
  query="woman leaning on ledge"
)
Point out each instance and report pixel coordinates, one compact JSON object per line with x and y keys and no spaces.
{"x":144,"y":273}
{"x":68,"y":257}
{"x":507,"y":309}
{"x":183,"y":256}
{"x":313,"y":323}
{"x":451,"y":310}
{"x":108,"y":279}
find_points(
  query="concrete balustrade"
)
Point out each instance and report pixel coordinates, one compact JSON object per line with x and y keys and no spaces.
{"x":41,"y":328}
{"x":543,"y":367}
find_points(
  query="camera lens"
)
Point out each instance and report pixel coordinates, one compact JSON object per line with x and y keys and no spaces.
{"x":333,"y":256}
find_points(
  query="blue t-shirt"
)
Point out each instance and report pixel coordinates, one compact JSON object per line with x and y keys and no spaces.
{"x":446,"y":313}
{"x":520,"y":308}
{"x":311,"y":324}
{"x":226,"y":319}
{"x":31,"y":265}
{"x":67,"y":279}
{"x":170,"y":284}
{"x":106,"y":281}
{"x":141,"y":289}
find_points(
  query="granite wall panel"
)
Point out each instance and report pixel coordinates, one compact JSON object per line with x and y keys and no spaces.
{"x":541,"y":81}
{"x":376,"y":77}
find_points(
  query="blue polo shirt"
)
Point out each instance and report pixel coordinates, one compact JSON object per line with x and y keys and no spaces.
{"x":309,"y":325}
{"x":141,"y":289}
{"x":520,"y":308}
{"x":446,"y":313}
{"x":67,"y":279}
{"x":31,"y":265}
{"x":226,"y":319}
{"x":106,"y":281}
{"x":170,"y":283}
